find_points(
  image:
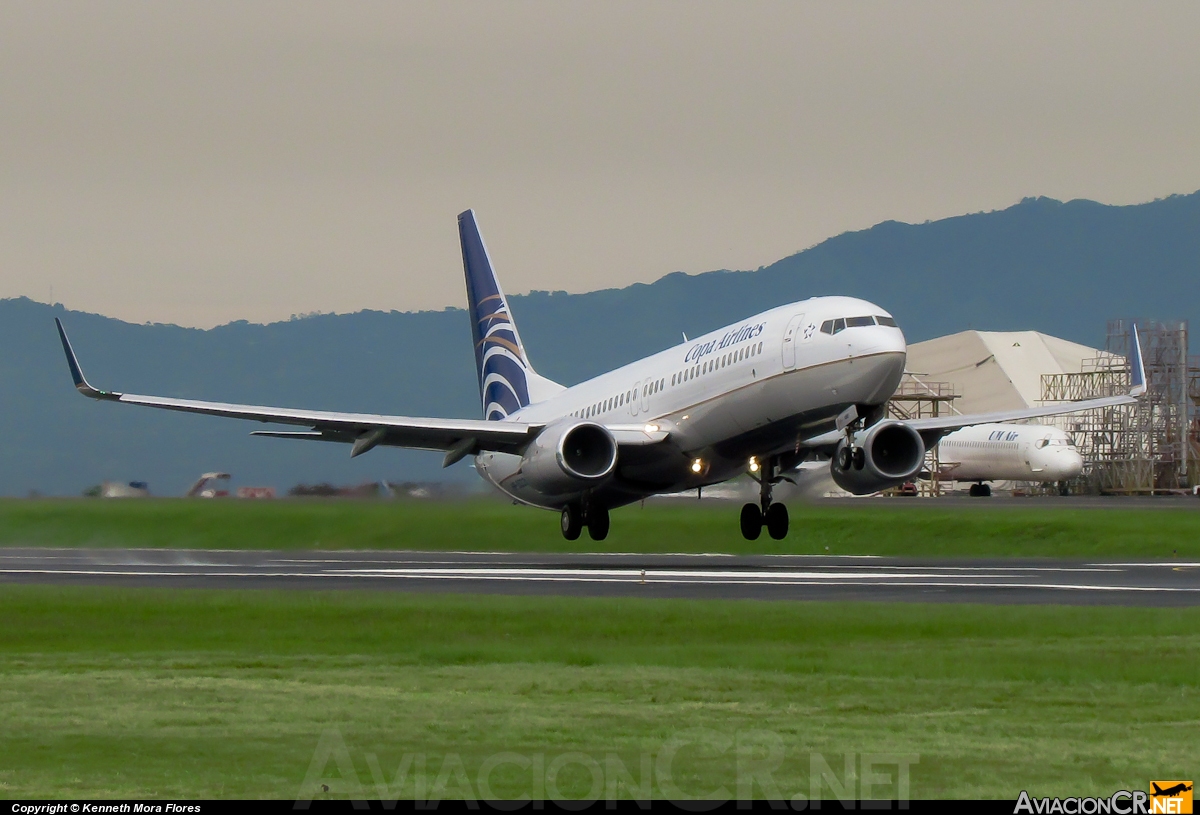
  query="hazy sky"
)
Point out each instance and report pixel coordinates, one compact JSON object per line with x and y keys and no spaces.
{"x":211,"y":161}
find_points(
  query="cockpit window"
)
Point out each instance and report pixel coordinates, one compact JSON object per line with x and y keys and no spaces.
{"x":888,"y":321}
{"x":841,"y":324}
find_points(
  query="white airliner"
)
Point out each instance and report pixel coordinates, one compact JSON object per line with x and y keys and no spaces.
{"x":758,"y":396}
{"x":1009,"y":452}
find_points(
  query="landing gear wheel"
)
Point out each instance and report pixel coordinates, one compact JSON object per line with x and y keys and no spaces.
{"x":752,"y":522}
{"x":980,"y":491}
{"x":777,"y":521}
{"x":844,"y":458}
{"x":597,"y":522}
{"x":572,"y":522}
{"x":1064,"y":489}
{"x":860,"y":458}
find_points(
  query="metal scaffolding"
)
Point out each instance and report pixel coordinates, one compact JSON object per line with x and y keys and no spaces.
{"x":1149,"y":447}
{"x":917,"y":399}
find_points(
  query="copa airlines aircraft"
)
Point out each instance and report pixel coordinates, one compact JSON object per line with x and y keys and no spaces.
{"x":1009,"y":452}
{"x":758,"y":396}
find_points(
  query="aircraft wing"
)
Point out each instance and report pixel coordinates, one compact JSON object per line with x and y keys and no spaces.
{"x":459,"y":437}
{"x":952,"y":423}
{"x":934,"y":427}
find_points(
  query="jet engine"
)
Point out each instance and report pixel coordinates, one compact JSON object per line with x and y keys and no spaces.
{"x":884,"y":455}
{"x":569,"y":456}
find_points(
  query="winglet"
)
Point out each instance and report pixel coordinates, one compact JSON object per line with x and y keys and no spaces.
{"x":1137,"y":371}
{"x":81,"y":383}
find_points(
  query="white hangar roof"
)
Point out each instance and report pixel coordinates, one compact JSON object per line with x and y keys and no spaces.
{"x":996,"y":370}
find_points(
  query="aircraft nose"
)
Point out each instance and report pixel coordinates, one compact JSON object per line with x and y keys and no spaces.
{"x":1068,"y":464}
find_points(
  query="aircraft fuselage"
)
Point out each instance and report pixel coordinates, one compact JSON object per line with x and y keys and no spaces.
{"x":749,"y":389}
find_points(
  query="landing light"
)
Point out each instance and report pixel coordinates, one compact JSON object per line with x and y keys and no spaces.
{"x":651,"y":428}
{"x":697,"y":466}
{"x":753,"y":464}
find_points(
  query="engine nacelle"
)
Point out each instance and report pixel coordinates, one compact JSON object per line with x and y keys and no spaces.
{"x":569,"y":456}
{"x":888,"y":454}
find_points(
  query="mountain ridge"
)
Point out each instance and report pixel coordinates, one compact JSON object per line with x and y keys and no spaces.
{"x":1063,"y":268}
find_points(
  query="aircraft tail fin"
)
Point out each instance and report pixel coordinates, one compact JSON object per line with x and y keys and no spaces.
{"x":507,"y":382}
{"x":1137,"y":371}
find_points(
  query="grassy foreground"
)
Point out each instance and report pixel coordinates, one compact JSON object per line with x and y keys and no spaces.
{"x":111,"y":693}
{"x":878,"y":527}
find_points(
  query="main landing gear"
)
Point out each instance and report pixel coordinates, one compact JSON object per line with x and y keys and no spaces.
{"x":575,"y":518}
{"x":773,"y":516}
{"x":980,"y":490}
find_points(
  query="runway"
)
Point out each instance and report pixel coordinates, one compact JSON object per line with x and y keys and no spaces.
{"x":766,"y":577}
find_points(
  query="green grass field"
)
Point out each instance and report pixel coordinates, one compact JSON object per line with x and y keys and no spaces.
{"x":117,"y":693}
{"x":878,"y":527}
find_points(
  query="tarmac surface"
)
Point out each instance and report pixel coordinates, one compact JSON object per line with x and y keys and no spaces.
{"x":766,"y":577}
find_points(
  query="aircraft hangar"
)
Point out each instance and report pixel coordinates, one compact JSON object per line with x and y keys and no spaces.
{"x":1151,"y":447}
{"x":994,"y":370}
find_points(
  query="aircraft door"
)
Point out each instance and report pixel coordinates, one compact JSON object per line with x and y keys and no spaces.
{"x":636,"y":401}
{"x":790,"y":338}
{"x":1031,"y":457}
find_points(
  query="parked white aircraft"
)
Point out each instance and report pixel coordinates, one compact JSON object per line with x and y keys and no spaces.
{"x":1009,"y":452}
{"x":760,"y":395}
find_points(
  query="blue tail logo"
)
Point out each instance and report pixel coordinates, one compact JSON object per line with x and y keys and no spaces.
{"x":504,"y":370}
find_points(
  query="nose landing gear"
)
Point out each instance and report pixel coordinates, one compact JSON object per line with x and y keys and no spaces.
{"x":774,"y":516}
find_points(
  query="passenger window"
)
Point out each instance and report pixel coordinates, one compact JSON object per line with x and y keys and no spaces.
{"x":888,"y":321}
